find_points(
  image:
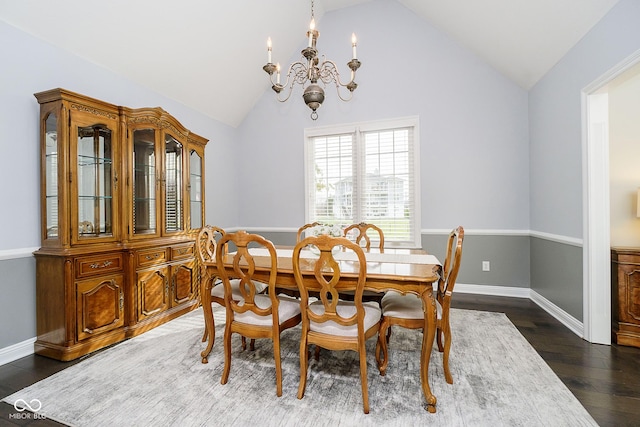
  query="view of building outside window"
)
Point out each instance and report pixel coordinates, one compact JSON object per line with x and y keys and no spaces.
{"x":364,"y":177}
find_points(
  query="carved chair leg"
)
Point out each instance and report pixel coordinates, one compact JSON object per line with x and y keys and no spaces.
{"x":227,"y":356}
{"x":382,"y":354}
{"x":276,"y":356}
{"x":439,"y":339}
{"x":447,"y":346}
{"x":363,"y":379}
{"x":303,"y":365}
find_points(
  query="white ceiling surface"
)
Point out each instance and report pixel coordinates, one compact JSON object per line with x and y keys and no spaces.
{"x":205,"y":53}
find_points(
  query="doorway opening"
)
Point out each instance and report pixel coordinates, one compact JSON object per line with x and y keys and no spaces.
{"x":596,"y":203}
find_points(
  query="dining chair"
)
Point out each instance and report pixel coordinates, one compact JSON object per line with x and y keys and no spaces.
{"x":303,"y":228}
{"x":253,"y":315}
{"x":212,"y":290}
{"x":330,"y":322}
{"x":360,"y":233}
{"x":407,"y":311}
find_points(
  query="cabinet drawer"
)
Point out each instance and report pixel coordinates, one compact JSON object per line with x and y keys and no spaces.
{"x":100,"y":264}
{"x":180,"y":252}
{"x":152,"y":256}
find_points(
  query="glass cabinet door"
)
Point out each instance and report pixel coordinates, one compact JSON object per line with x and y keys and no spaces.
{"x":51,"y":177}
{"x":144,"y":182}
{"x":195,"y":189}
{"x":173,"y":185}
{"x":96,"y":181}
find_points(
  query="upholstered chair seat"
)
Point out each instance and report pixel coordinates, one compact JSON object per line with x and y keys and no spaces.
{"x":345,"y":309}
{"x":288,"y":308}
{"x":408,"y":306}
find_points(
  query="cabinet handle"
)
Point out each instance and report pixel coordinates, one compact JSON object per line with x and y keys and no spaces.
{"x":115,"y":180}
{"x":121,"y":301}
{"x":166,"y":288}
{"x":150,"y":257}
{"x":103,"y":265}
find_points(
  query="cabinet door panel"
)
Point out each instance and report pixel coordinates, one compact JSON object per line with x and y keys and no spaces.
{"x":196,"y":207}
{"x":632,"y":295}
{"x":145,"y":179}
{"x":100,"y":306}
{"x":173,"y":185}
{"x":153,"y":292}
{"x":184,"y":283}
{"x":95,"y":179}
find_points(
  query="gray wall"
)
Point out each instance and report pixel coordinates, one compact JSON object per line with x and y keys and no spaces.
{"x":556,"y":274}
{"x":18,"y":302}
{"x":508,"y":256}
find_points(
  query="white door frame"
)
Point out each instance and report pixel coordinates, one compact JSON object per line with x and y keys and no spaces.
{"x":596,"y":222}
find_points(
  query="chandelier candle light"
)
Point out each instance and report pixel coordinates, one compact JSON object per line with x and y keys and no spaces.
{"x":312,"y":71}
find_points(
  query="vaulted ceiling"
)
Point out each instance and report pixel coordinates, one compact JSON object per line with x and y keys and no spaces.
{"x":192,"y":46}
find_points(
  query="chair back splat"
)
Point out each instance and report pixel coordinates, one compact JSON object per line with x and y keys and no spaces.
{"x":251,"y":313}
{"x":361,"y":231}
{"x":330,"y":322}
{"x":303,"y":228}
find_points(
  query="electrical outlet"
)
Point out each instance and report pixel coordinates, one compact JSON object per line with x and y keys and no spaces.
{"x":486,"y":266}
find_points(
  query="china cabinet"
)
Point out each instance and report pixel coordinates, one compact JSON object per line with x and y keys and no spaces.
{"x":122,"y":200}
{"x":625,"y":295}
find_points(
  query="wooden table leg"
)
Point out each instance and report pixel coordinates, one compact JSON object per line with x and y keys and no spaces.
{"x":205,"y":298}
{"x":428,"y":335}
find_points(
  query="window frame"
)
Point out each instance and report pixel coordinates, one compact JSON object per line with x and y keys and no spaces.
{"x":357,"y":130}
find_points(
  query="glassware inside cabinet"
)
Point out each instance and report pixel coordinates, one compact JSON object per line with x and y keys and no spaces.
{"x":95,"y":178}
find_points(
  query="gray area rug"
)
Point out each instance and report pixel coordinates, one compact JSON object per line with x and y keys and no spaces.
{"x":157,"y":379}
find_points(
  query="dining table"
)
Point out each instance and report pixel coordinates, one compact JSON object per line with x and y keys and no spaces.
{"x":390,"y":269}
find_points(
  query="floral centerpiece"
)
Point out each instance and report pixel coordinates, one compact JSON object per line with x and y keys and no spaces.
{"x":332,"y":230}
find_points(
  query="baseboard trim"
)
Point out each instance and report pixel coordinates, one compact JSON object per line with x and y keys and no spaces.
{"x":574,"y":325}
{"x":496,"y":291}
{"x":16,"y":351}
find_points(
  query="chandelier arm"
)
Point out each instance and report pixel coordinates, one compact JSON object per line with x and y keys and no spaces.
{"x":297,"y":73}
{"x":328,"y":73}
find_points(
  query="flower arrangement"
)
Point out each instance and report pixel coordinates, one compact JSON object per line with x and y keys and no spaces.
{"x":330,"y":229}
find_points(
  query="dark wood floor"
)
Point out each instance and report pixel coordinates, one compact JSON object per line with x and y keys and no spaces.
{"x":606,"y":379}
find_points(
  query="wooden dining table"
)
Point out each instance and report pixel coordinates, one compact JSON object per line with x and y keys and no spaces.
{"x":402,"y":270}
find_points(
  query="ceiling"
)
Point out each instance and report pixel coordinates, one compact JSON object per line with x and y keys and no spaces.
{"x":180,"y":48}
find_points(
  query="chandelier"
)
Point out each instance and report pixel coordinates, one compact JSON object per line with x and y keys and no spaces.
{"x":311,"y":71}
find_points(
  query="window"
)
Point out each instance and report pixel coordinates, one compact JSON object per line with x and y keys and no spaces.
{"x":366,"y":172}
